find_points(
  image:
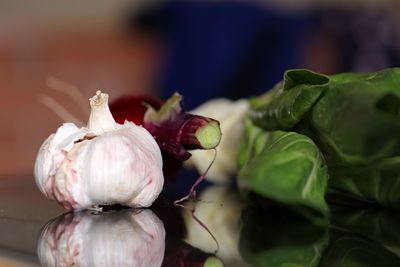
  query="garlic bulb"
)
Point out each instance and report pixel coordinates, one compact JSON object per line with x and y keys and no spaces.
{"x":101,"y":164}
{"x":124,"y":238}
{"x":231,"y":116}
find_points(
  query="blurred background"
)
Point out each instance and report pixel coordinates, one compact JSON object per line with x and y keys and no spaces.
{"x":203,"y":49}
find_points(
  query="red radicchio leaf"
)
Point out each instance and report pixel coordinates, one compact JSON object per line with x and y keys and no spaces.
{"x":132,"y":108}
{"x":176,"y":131}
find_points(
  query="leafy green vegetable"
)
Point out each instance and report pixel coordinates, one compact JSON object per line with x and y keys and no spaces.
{"x":354,"y":119}
{"x":277,"y":238}
{"x":284,"y":106}
{"x":357,"y":120}
{"x":252,"y":143}
{"x":286,"y":167}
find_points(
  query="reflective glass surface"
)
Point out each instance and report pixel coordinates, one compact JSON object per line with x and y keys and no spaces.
{"x":219,"y":228}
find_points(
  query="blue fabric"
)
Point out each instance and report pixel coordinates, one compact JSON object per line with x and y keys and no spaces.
{"x":229,"y":50}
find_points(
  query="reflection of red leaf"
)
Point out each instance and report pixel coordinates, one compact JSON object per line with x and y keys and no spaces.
{"x":179,"y":253}
{"x":132,"y":108}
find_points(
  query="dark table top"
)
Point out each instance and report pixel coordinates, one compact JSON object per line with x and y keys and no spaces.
{"x":35,"y":231}
{"x":23,"y":212}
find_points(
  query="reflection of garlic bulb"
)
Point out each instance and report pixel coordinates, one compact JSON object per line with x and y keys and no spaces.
{"x":103,"y":163}
{"x":231,"y":116}
{"x":125,"y":238}
{"x":220,"y":212}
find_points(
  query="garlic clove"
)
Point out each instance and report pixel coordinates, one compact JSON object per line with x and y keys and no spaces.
{"x":118,"y":167}
{"x":52,"y":153}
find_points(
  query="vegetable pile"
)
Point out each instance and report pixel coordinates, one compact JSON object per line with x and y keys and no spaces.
{"x":311,"y":127}
{"x":311,"y":135}
{"x":107,"y":163}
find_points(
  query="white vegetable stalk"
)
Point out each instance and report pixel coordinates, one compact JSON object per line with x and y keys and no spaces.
{"x":124,"y":238}
{"x":231,"y":116}
{"x":102,"y":164}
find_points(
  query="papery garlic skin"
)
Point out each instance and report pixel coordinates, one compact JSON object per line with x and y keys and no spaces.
{"x":231,"y":116}
{"x":105,"y":163}
{"x":124,"y":238}
{"x":51,"y":155}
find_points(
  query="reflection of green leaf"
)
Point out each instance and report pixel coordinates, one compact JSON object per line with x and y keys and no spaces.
{"x":284,"y":106}
{"x":376,"y":183}
{"x":380,"y":225}
{"x":288,"y":168}
{"x":351,"y":250}
{"x":275,"y":238}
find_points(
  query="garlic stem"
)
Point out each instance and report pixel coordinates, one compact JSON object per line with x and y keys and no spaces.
{"x":101,"y":119}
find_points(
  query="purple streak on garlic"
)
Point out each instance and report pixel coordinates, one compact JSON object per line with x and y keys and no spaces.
{"x":101,"y":164}
{"x":124,"y":238}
